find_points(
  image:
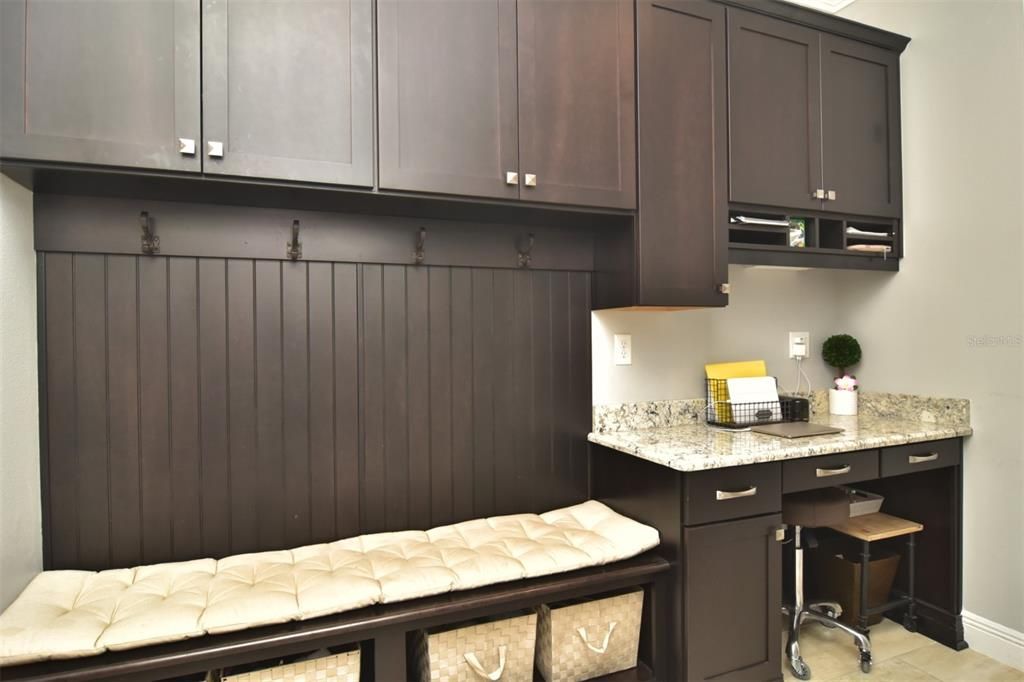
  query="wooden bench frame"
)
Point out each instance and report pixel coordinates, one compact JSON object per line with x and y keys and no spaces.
{"x":384,"y":626}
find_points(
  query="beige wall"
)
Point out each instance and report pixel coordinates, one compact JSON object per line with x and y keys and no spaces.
{"x":963,"y":150}
{"x":963,"y":122}
{"x":20,"y":520}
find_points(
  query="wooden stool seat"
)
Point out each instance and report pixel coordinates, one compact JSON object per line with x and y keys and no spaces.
{"x":877,"y":526}
{"x":870,"y":528}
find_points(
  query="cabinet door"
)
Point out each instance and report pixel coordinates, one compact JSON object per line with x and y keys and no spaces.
{"x":102,"y":82}
{"x":860,"y":94}
{"x":774,"y":112}
{"x":682,"y":249}
{"x":447,"y":96}
{"x":577,"y":104}
{"x":732,"y":600}
{"x":288,"y":89}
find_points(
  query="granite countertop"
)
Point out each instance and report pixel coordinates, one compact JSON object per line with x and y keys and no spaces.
{"x":673,"y":434}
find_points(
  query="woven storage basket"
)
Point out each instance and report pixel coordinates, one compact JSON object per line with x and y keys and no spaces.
{"x":342,"y":667}
{"x":588,"y":639}
{"x":494,"y":650}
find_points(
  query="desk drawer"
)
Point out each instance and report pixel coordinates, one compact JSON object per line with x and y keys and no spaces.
{"x":732,"y":493}
{"x":906,"y":459}
{"x":828,"y":470}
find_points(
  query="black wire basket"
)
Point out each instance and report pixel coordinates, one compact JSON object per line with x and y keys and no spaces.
{"x":730,"y":415}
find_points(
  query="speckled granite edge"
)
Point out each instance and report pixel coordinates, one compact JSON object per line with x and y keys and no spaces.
{"x":925,"y":409}
{"x":647,"y":415}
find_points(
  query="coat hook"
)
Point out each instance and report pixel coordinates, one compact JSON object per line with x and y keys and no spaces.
{"x":526,"y":256}
{"x":294,"y":250}
{"x":421,"y":242}
{"x":150,"y":242}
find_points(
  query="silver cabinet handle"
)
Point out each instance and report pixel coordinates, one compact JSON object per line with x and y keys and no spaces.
{"x":186,"y":146}
{"x":215,"y":149}
{"x":724,"y":288}
{"x":732,"y":495}
{"x":818,"y":194}
{"x":511,"y":178}
{"x":832,"y":471}
{"x":830,"y":195}
{"x":918,"y":459}
{"x":530,"y":180}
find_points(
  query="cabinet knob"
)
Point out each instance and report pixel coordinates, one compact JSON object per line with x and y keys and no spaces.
{"x":831,"y":195}
{"x":511,"y":178}
{"x":818,"y":194}
{"x":530,"y":180}
{"x":215,"y":149}
{"x":186,"y":146}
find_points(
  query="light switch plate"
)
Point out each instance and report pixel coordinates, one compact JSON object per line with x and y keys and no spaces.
{"x":622,"y":349}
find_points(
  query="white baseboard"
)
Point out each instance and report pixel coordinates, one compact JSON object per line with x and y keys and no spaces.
{"x":994,"y":640}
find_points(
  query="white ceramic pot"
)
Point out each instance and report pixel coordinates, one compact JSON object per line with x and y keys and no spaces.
{"x":842,"y":403}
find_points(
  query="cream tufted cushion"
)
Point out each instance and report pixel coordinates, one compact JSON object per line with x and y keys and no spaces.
{"x":66,"y":614}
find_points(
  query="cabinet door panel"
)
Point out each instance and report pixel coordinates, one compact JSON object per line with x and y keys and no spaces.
{"x":447,"y":96}
{"x":774,"y":112}
{"x":682,"y":250}
{"x":287,"y":89}
{"x":861,"y":127}
{"x":733,"y":598}
{"x":101,"y":82}
{"x":577,"y":109}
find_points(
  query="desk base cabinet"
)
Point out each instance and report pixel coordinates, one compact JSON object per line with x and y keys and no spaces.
{"x":731,"y":617}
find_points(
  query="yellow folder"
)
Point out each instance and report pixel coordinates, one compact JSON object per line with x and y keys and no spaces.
{"x":718,"y":392}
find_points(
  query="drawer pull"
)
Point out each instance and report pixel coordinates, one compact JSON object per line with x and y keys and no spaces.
{"x":832,"y":471}
{"x":732,"y":495}
{"x":918,"y":459}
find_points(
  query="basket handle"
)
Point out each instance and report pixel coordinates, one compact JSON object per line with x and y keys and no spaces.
{"x":604,"y":645}
{"x":494,"y":675}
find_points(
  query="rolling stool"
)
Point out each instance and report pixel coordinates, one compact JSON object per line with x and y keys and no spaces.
{"x":812,"y":509}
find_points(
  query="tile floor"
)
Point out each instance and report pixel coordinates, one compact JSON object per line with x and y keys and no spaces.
{"x":898,"y":656}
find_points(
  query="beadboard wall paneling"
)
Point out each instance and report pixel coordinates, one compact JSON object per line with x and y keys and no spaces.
{"x":206,"y":406}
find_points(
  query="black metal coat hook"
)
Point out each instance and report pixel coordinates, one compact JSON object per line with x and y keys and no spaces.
{"x":294,"y":250}
{"x":421,"y":243}
{"x":526,"y":255}
{"x":150,"y":242}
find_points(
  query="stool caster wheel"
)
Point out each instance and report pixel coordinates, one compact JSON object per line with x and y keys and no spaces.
{"x":801,"y":670}
{"x":865,"y":661}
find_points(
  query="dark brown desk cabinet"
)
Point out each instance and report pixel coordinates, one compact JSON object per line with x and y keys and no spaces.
{"x":288,"y":90}
{"x":813,"y":119}
{"x":112,"y":83}
{"x":517,"y":100}
{"x":681,"y":245}
{"x":732,"y":596}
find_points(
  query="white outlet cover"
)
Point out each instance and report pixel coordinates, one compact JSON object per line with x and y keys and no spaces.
{"x":799,"y":344}
{"x":622,"y":349}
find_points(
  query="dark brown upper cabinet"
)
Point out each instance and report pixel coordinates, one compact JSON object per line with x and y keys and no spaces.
{"x":76,"y":89}
{"x":774,"y":112}
{"x":681,"y":241}
{"x":577,"y":102}
{"x":860,"y":94}
{"x":813,"y":119}
{"x":288,"y":90}
{"x":529,"y":100}
{"x":447,"y":97}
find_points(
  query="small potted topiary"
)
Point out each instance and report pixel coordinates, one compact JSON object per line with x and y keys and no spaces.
{"x":842,"y":352}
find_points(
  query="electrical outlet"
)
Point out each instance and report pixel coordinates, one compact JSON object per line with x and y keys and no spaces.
{"x":799,"y":344}
{"x":622,"y":349}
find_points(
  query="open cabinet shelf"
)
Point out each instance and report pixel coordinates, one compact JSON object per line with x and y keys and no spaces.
{"x":828,"y":241}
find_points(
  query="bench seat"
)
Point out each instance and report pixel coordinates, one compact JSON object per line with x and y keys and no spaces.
{"x":67,"y":614}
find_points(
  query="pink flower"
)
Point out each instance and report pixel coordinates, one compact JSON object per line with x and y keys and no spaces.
{"x":847,"y":383}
